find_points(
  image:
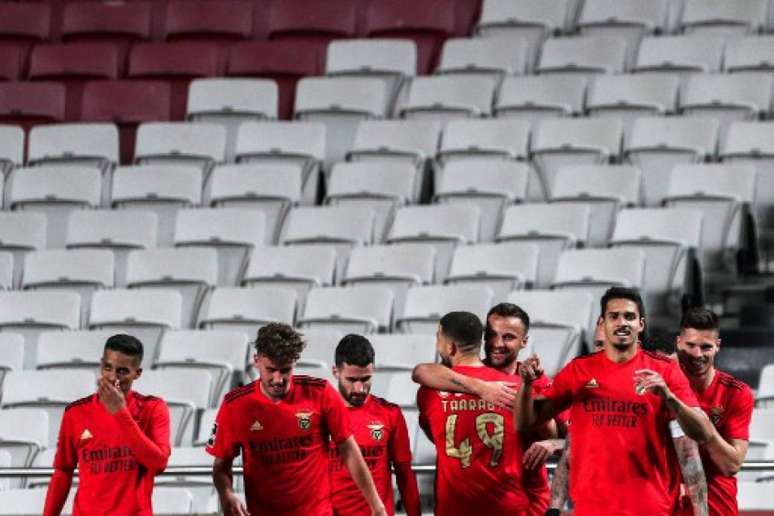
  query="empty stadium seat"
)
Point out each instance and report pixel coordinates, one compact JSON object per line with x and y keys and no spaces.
{"x":206,"y":421}
{"x":117,"y":230}
{"x":6,"y":270}
{"x":24,"y":433}
{"x":301,"y":144}
{"x":31,"y":103}
{"x":82,"y":144}
{"x":587,"y":56}
{"x":144,"y":313}
{"x":604,"y":189}
{"x":12,"y":61}
{"x":543,"y":96}
{"x":494,"y":139}
{"x":657,"y":144}
{"x":484,"y":57}
{"x":126,"y":104}
{"x":754,"y":496}
{"x":445,"y":98}
{"x":680,"y":54}
{"x":55,"y":191}
{"x":81,"y":349}
{"x":553,"y":228}
{"x":401,"y":352}
{"x":442,"y":227}
{"x":121,"y":23}
{"x":313,"y":23}
{"x":159,"y":188}
{"x":500,"y":267}
{"x":271,"y":188}
{"x":701,"y":16}
{"x":25,"y":24}
{"x":21,"y":233}
{"x":232,"y":232}
{"x":320,"y":348}
{"x":27,"y":502}
{"x":355,"y":309}
{"x":425,"y":305}
{"x":11,"y":148}
{"x":399,"y":388}
{"x":595,"y":270}
{"x":204,"y":20}
{"x":184,"y":143}
{"x":750,"y":54}
{"x":765,"y":395}
{"x":200,"y":488}
{"x":247,"y":309}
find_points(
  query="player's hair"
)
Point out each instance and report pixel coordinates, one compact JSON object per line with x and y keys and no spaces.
{"x":465,"y":329}
{"x":632,"y":294}
{"x":125,"y":344}
{"x":508,"y":310}
{"x":699,"y":318}
{"x":659,"y":341}
{"x":354,"y":350}
{"x":280,"y":343}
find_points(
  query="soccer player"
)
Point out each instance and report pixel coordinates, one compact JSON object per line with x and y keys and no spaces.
{"x":622,"y":401}
{"x":479,"y":455}
{"x":282,"y":424}
{"x":117,"y":438}
{"x":380,"y":431}
{"x":727,"y":402}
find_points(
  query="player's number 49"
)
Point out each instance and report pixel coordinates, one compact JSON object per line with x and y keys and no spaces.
{"x":493,"y":441}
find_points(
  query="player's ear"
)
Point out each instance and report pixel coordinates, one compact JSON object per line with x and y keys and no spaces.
{"x":137,"y":373}
{"x":335,"y":371}
{"x":524,"y":341}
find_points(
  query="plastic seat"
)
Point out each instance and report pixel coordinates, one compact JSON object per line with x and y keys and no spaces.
{"x":204,"y":20}
{"x":765,"y":393}
{"x":74,"y":144}
{"x":442,"y":227}
{"x":340,"y":103}
{"x":355,"y":309}
{"x":749,"y":54}
{"x":680,"y":54}
{"x":592,"y":141}
{"x":398,"y":388}
{"x":183,"y":143}
{"x":31,"y":103}
{"x":21,"y":233}
{"x":24,"y":433}
{"x":718,"y":17}
{"x":25,"y":24}
{"x":80,"y":349}
{"x":604,"y":189}
{"x":11,"y":148}
{"x":285,"y":62}
{"x":595,"y":270}
{"x":247,"y":309}
{"x":754,"y":496}
{"x":206,"y":420}
{"x":499,"y":267}
{"x":401,"y":352}
{"x":126,"y":104}
{"x":427,"y":304}
{"x":484,"y":57}
{"x":144,"y":313}
{"x":55,"y":191}
{"x":489,"y":185}
{"x":553,"y":228}
{"x":493,"y":139}
{"x":320,"y":348}
{"x":587,"y":56}
{"x":299,"y":20}
{"x":544,"y":96}
{"x":232,"y":232}
{"x":427,"y":22}
{"x":11,"y":353}
{"x":198,"y":488}
{"x":6,"y":270}
{"x":301,"y":144}
{"x":12,"y":60}
{"x":118,"y":23}
{"x":177,"y":64}
{"x":382,"y":187}
{"x":446,"y":98}
{"x":671,"y":253}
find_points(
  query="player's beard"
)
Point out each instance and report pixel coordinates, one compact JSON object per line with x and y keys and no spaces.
{"x":500,"y":357}
{"x":694,"y":366}
{"x":356,"y":399}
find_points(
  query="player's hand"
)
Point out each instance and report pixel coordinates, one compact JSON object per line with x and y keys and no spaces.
{"x":233,"y":506}
{"x":501,"y":394}
{"x":648,"y":380}
{"x":110,"y":395}
{"x":538,"y":453}
{"x":380,"y":511}
{"x":530,"y":370}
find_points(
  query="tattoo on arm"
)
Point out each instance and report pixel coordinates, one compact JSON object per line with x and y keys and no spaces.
{"x":561,"y":481}
{"x":693,"y":474}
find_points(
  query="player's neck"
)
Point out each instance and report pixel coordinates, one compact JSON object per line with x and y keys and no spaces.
{"x":467,"y":360}
{"x":509,"y":369}
{"x":702,"y":382}
{"x":620,"y":356}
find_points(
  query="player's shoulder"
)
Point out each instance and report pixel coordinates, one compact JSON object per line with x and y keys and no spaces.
{"x":239,"y":393}
{"x":731,"y":382}
{"x":147,"y":398}
{"x":385,"y":404}
{"x":79,"y":402}
{"x":658,"y":359}
{"x":311,"y":382}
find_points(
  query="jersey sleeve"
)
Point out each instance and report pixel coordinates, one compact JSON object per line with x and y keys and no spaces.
{"x":222,"y":443}
{"x":739,"y":416}
{"x":561,"y":389}
{"x":399,"y":446}
{"x":66,"y":457}
{"x":336,"y":415}
{"x":678,"y":384}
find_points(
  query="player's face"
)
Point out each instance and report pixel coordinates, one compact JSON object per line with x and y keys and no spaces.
{"x":119,"y":369}
{"x":354,"y":382}
{"x":443,"y":347}
{"x":505,"y":337}
{"x":275,"y":378}
{"x":696,"y":350}
{"x":622,"y":323}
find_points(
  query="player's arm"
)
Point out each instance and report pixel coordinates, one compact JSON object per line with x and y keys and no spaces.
{"x":530,"y":410}
{"x":400,"y":456}
{"x":223,"y":478}
{"x":693,"y":473}
{"x":58,"y":489}
{"x":560,"y":484}
{"x":442,"y":378}
{"x":351,"y":457}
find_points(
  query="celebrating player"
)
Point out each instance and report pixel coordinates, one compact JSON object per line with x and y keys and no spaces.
{"x":622,"y":400}
{"x":479,"y":456}
{"x":727,"y":401}
{"x":282,"y":425}
{"x":117,"y":438}
{"x":380,"y":431}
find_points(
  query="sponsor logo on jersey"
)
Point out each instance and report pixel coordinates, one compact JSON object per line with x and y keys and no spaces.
{"x":256,"y":426}
{"x":304,"y":420}
{"x":592,"y":384}
{"x":377,"y":431}
{"x":86,"y":435}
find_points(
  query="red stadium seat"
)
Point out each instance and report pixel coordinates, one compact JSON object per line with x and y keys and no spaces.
{"x":427,"y":22}
{"x":283,"y":61}
{"x":24,"y":24}
{"x":208,"y":20}
{"x":118,"y":23}
{"x":74,"y":65}
{"x":11,"y":62}
{"x":31,"y":103}
{"x":127,"y":104}
{"x":177,"y":64}
{"x":466,"y":14}
{"x":314,"y":22}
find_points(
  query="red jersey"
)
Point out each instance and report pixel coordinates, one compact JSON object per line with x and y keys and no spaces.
{"x":380,"y":431}
{"x":284,"y":444}
{"x":113,"y":479}
{"x":623,"y":458}
{"x":479,"y":461}
{"x":728,"y":403}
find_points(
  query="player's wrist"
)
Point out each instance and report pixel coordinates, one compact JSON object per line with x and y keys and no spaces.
{"x":553,"y":511}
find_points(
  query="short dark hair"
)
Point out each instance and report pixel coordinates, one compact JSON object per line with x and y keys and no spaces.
{"x":508,"y":310}
{"x":354,"y":350}
{"x":465,"y":329}
{"x":632,"y":294}
{"x":699,"y":318}
{"x":125,"y":344}
{"x":661,"y":342}
{"x":280,"y":343}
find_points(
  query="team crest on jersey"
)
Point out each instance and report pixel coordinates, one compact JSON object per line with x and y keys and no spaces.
{"x":213,"y":432}
{"x":377,"y":431}
{"x":304,"y":420}
{"x":86,"y":435}
{"x":256,"y":426}
{"x":716,"y":413}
